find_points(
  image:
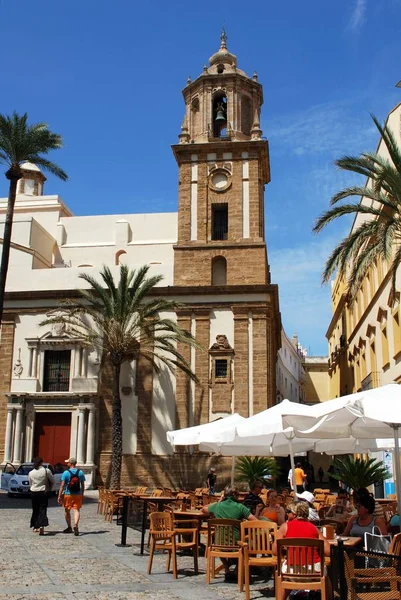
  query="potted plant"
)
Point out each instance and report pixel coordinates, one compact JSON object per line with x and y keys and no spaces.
{"x":258,"y":467}
{"x":359,"y":473}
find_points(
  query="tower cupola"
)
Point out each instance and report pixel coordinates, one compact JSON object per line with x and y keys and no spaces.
{"x":32,"y":180}
{"x":223,"y":103}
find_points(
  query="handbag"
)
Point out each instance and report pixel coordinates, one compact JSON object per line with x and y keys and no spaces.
{"x":377,"y":542}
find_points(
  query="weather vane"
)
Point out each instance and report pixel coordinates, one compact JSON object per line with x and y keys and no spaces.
{"x":223,"y":37}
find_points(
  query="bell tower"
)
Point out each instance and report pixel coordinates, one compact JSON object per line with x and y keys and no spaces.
{"x":223,"y":168}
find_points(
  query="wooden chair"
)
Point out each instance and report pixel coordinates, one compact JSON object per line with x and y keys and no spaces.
{"x":300,"y":571}
{"x":326,"y":491}
{"x":331,"y":499}
{"x":101,"y":500}
{"x":163,"y":537}
{"x":111,"y":503}
{"x":206,"y":500}
{"x":367,"y":577}
{"x":257,"y":539}
{"x":320,"y":498}
{"x":168,"y":492}
{"x":140,"y":490}
{"x":222,"y":543}
{"x":395,"y":546}
{"x":317,"y":491}
{"x":322,"y":511}
{"x":157,"y":492}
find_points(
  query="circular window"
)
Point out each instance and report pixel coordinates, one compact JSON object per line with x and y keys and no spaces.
{"x":219,"y":180}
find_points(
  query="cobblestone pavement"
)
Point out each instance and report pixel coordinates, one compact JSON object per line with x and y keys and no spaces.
{"x":92,"y":566}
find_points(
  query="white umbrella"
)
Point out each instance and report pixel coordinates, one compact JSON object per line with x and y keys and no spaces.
{"x":272,"y":426}
{"x":363,"y":416}
{"x":219,"y":431}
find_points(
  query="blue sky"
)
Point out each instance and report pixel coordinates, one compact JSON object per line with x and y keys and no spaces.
{"x":108,"y":76}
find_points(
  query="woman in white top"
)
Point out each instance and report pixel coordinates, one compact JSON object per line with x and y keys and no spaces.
{"x":40,"y":482}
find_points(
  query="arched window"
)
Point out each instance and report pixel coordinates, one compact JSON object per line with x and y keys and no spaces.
{"x":219,"y":115}
{"x":219,"y":271}
{"x":121,"y":257}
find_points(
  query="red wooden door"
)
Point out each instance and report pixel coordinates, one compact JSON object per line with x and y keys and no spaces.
{"x":52,"y":436}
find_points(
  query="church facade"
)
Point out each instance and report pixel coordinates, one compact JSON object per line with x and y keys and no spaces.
{"x":55,"y":399}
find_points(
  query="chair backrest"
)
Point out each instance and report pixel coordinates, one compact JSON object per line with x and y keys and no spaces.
{"x":331,"y":499}
{"x":168,"y":492}
{"x":198,"y":491}
{"x":157,"y":492}
{"x":322,"y":510}
{"x":388,"y":510}
{"x":395,"y":547}
{"x":223,"y":533}
{"x":161,"y":524}
{"x":317,"y":491}
{"x":301,"y":554}
{"x":259,"y":535}
{"x":320,"y":497}
{"x":206,"y":499}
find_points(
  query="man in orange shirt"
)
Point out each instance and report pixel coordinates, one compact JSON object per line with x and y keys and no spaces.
{"x":299,"y":478}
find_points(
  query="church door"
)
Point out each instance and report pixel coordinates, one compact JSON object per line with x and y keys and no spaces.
{"x":52,"y":436}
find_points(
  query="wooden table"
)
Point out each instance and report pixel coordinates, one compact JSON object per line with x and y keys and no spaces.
{"x":349,"y":542}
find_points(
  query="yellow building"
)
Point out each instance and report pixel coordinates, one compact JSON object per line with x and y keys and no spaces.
{"x":364,"y":335}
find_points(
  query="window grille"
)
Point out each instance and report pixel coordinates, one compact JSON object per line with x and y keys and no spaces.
{"x":56,"y":376}
{"x":221,"y":368}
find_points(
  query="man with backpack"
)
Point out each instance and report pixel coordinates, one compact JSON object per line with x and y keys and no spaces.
{"x":71,"y":493}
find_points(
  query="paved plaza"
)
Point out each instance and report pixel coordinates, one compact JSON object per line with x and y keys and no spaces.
{"x":91,"y":566}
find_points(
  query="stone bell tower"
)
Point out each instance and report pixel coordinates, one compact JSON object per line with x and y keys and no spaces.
{"x":223,"y":168}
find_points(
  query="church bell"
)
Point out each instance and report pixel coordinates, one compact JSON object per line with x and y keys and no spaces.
{"x":220,"y":116}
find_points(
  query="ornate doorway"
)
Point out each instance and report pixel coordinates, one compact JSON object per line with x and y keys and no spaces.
{"x":52,"y":436}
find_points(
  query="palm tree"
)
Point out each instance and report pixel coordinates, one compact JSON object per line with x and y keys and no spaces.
{"x":359,"y":473}
{"x":19,"y":143}
{"x":120,"y":322}
{"x":248,"y":469}
{"x":378,"y":234}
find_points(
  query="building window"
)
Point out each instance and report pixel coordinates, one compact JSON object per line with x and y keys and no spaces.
{"x":219,"y":271}
{"x":29,"y":187}
{"x":220,"y":368}
{"x":56,"y":374}
{"x":219,"y":221}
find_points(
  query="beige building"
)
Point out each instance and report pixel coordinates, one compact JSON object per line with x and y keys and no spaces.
{"x":54,"y":400}
{"x":317,"y":383}
{"x":365,"y":335}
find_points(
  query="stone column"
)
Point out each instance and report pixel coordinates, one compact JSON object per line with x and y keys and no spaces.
{"x":81,"y":435}
{"x":18,"y":435}
{"x":90,"y":438}
{"x":9,"y":434}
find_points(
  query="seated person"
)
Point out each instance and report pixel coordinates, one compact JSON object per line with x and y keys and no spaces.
{"x":301,"y":527}
{"x":378,"y":511}
{"x":273,"y":511}
{"x":309,"y":498}
{"x":252,"y":500}
{"x":365,"y":520}
{"x":341,"y":509}
{"x":229,"y":508}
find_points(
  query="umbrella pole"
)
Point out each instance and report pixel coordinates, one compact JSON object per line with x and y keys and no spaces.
{"x":293,"y":468}
{"x":232,"y":470}
{"x":397,"y":463}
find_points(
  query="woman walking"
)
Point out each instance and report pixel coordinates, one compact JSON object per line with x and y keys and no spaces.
{"x":40,"y":481}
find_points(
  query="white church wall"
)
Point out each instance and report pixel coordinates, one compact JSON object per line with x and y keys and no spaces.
{"x":129,"y":407}
{"x":163,"y":405}
{"x":222,"y":323}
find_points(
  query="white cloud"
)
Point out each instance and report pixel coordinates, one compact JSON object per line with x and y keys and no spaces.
{"x":358,"y":16}
{"x":332,"y":128}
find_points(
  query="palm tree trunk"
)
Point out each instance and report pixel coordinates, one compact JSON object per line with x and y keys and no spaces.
{"x":116,"y":431}
{"x":12,"y":192}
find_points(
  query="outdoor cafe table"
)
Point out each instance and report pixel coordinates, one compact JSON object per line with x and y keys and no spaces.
{"x":347,"y":541}
{"x":160,"y":502}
